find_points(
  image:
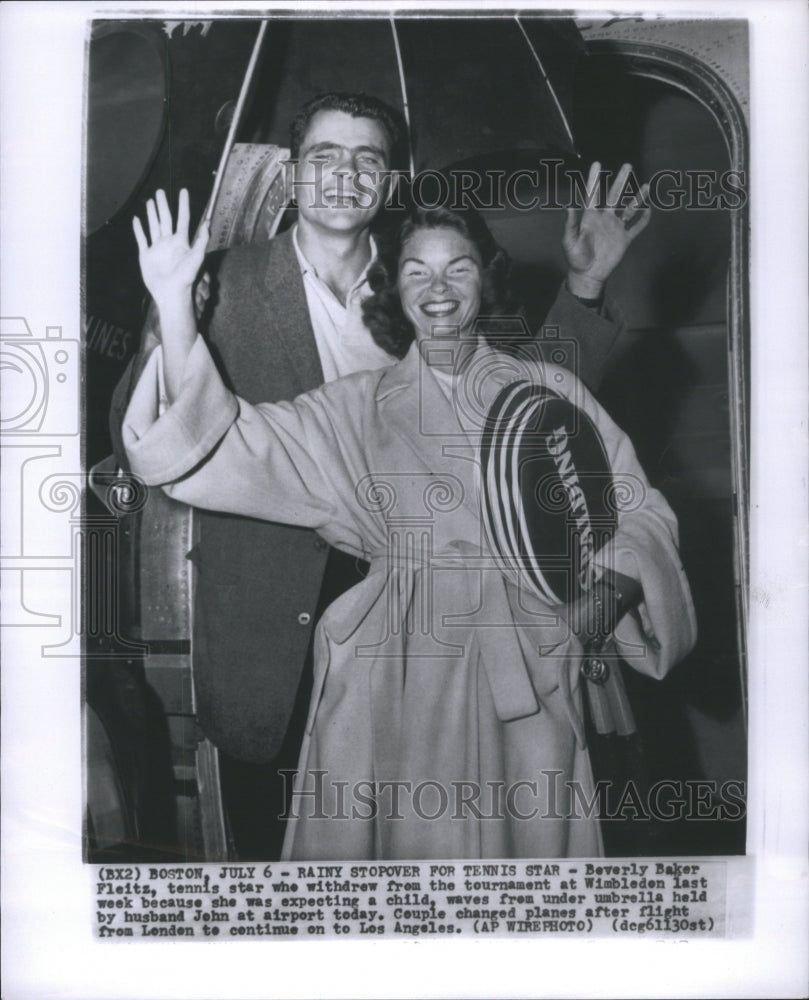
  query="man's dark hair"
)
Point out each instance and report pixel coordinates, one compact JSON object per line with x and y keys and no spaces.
{"x":358,"y":106}
{"x":382,"y":311}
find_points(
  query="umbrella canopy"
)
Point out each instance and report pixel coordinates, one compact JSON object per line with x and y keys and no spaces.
{"x":474,"y":90}
{"x":471,"y":88}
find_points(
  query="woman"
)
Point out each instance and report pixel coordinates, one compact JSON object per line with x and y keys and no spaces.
{"x":445,"y":719}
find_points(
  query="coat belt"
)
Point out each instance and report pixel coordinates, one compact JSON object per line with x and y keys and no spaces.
{"x":504,"y":649}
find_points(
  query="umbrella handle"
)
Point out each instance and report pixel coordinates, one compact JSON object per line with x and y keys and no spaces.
{"x":234,"y":123}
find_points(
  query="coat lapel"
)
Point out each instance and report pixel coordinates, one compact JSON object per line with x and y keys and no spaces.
{"x":416,"y":409}
{"x":286,"y":298}
{"x":433,"y":428}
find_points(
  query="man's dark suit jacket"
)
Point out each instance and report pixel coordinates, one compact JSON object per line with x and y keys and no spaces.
{"x":258,"y":583}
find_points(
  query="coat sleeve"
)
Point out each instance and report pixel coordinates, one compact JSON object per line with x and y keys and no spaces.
{"x":580,"y":338}
{"x":281,"y":462}
{"x":150,"y":339}
{"x":644,"y":547}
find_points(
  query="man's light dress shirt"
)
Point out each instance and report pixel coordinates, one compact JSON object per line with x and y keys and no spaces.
{"x":343,"y":341}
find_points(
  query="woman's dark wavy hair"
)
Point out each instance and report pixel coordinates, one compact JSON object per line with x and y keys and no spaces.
{"x":382,"y":310}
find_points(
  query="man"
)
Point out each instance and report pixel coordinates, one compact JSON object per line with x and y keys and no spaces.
{"x":284,"y":317}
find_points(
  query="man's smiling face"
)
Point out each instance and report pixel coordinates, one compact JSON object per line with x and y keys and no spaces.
{"x":341,"y":179}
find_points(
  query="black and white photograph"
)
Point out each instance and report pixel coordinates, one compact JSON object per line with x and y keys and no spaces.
{"x":401,"y":500}
{"x":596,"y":198}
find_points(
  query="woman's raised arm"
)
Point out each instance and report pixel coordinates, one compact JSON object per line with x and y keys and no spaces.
{"x":169,"y":266}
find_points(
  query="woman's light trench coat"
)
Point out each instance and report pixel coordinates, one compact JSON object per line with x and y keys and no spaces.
{"x":445,"y":719}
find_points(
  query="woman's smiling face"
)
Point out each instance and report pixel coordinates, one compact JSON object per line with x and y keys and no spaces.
{"x":440,"y":280}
